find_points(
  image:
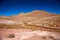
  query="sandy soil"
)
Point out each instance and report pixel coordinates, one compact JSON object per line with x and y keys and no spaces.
{"x":27,"y":34}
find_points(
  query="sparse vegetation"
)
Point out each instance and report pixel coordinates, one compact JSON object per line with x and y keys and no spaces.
{"x":52,"y":37}
{"x":11,"y":36}
{"x":10,"y":26}
{"x":56,"y":25}
{"x":50,"y":24}
{"x":44,"y":21}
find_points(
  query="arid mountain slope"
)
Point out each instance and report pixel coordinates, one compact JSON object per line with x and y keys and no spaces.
{"x":35,"y":18}
{"x":36,"y":13}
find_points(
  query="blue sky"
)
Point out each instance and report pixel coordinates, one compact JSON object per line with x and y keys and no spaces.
{"x":14,"y":7}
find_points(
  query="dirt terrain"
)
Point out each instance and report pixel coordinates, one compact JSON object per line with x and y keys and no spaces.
{"x":35,"y":25}
{"x":27,"y":34}
{"x":37,"y":17}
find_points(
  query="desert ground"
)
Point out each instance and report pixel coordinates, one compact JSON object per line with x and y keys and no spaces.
{"x":27,"y":34}
{"x":35,"y":25}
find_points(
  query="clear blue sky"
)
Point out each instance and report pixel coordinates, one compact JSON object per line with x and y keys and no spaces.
{"x":13,"y":7}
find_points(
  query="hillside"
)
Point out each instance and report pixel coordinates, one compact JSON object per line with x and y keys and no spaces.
{"x":33,"y":20}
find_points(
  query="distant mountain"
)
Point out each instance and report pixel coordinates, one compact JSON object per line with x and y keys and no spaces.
{"x":37,"y":18}
{"x":36,"y":13}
